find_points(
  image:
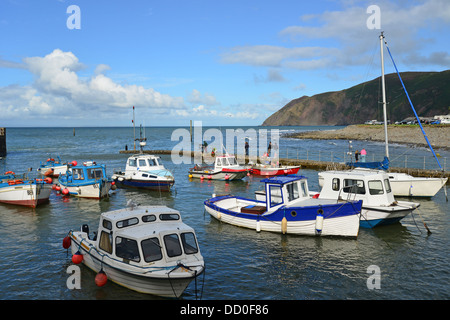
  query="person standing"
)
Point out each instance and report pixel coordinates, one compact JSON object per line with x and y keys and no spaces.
{"x":363,"y":155}
{"x":269,"y":148}
{"x":356,"y":155}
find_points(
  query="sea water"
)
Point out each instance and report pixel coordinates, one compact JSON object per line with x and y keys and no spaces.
{"x":402,"y":259}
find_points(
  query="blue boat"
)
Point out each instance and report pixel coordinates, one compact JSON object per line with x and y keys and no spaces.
{"x":286,"y":206}
{"x":88,"y":180}
{"x":144,"y":171}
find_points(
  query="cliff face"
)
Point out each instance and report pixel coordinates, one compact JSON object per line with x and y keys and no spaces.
{"x":429,"y":93}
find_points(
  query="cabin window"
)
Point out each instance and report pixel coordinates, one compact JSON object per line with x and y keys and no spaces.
{"x":335,"y":184}
{"x":275,"y":195}
{"x":151,"y":249}
{"x":232,"y":161}
{"x":127,"y":222}
{"x":375,"y":187}
{"x":172,"y":244}
{"x":95,"y":173}
{"x":149,"y":218}
{"x":354,"y":186}
{"x":105,"y":242}
{"x":189,"y":243}
{"x":152,"y":162}
{"x":304,"y":189}
{"x":78,"y":174}
{"x":144,"y":175}
{"x":132,"y":163}
{"x":219,"y":162}
{"x":142,"y":163}
{"x":127,"y":249}
{"x":387,"y":185}
{"x":169,"y":216}
{"x":292,"y":190}
{"x":107,"y":224}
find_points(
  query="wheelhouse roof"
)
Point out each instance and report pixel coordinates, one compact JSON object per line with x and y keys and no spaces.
{"x":283,"y":179}
{"x":138,"y":211}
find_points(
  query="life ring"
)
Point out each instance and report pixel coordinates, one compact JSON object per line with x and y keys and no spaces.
{"x":9,"y":172}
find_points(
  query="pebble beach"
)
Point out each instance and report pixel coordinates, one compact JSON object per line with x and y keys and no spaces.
{"x":438,"y":135}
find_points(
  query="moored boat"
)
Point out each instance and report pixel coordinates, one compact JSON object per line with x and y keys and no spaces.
{"x":405,"y":185}
{"x":88,"y":180}
{"x":373,"y":188}
{"x":144,"y":171}
{"x":225,"y":167}
{"x":288,"y":208}
{"x":23,"y":191}
{"x":260,"y":169}
{"x":147,"y":249}
{"x":53,"y":167}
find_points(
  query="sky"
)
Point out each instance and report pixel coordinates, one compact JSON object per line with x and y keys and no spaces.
{"x":67,"y":63}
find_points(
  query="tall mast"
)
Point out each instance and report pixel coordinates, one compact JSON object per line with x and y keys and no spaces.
{"x":134,"y":131}
{"x":384,"y":96}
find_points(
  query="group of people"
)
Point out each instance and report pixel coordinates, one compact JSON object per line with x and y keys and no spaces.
{"x":204,"y":147}
{"x":363,"y":154}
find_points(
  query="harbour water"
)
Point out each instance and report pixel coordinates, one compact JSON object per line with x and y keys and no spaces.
{"x":241,"y":264}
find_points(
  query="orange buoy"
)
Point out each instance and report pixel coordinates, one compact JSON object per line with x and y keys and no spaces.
{"x":101,"y":278}
{"x":77,"y":258}
{"x":66,"y":242}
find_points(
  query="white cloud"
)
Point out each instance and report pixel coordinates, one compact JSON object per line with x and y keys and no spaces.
{"x":348,"y":42}
{"x":57,"y":88}
{"x":196,"y":97}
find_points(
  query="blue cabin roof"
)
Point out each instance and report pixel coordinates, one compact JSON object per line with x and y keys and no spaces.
{"x":283,"y":179}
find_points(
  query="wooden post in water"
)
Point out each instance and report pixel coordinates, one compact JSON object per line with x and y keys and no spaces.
{"x":2,"y":142}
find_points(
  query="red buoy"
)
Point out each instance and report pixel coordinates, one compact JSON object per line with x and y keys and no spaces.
{"x":58,"y":188}
{"x":66,"y":242}
{"x":48,"y":180}
{"x":77,"y":258}
{"x":65,"y":191}
{"x":101,"y":279}
{"x":74,"y":163}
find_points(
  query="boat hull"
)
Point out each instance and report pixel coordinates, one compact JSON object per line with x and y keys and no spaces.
{"x":161,"y":283}
{"x":339,"y":219}
{"x":261,"y":171}
{"x":97,"y":190}
{"x":26,"y":194}
{"x":149,"y":185}
{"x":378,"y":216}
{"x":225,"y":174}
{"x":407,"y":186}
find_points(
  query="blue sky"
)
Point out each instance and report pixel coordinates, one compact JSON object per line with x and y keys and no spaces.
{"x":220,"y":62}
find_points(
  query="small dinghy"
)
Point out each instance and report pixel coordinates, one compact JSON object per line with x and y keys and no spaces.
{"x":88,"y":180}
{"x":20,"y":190}
{"x":287,"y":207}
{"x":53,"y":167}
{"x":147,"y":249}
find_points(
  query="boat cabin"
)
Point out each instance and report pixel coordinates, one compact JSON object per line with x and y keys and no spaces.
{"x":283,"y":190}
{"x":146,"y":235}
{"x":88,"y":172}
{"x":226,"y":161}
{"x":371,"y":186}
{"x":143,"y":162}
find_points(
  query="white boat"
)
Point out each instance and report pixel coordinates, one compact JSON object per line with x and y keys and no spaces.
{"x":288,"y":208}
{"x":144,"y":171}
{"x":405,"y":185}
{"x":225,"y":167}
{"x":88,"y":180}
{"x":24,"y":191}
{"x":147,"y":249}
{"x":53,"y":167}
{"x":373,"y":188}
